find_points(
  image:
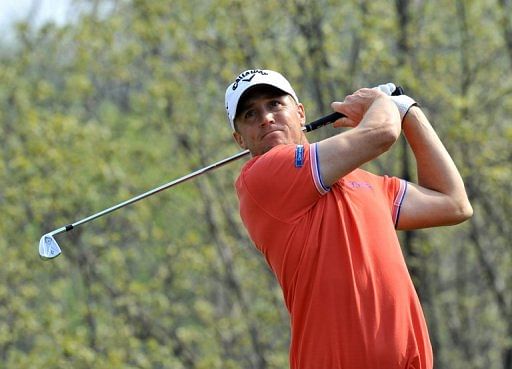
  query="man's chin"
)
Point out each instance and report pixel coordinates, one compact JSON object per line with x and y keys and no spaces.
{"x":270,"y":145}
{"x":274,"y":139}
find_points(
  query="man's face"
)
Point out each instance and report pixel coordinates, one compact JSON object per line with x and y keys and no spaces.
{"x":267,"y":117}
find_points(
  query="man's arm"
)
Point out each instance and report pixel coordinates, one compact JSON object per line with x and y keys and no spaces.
{"x":439,"y":198}
{"x":377,"y":127}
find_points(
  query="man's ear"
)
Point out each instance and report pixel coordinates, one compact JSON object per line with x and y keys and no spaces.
{"x":302,"y":114}
{"x":239,"y":139}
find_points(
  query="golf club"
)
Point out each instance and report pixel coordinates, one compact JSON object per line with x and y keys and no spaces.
{"x":49,"y":248}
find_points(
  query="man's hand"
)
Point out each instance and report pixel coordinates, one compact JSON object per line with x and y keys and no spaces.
{"x":376,"y":125}
{"x":355,"y":106}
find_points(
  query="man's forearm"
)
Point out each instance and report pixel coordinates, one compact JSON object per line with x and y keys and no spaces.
{"x":435,"y":167}
{"x":374,"y":134}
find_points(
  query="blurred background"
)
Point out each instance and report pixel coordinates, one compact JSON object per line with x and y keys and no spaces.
{"x":101,"y":100}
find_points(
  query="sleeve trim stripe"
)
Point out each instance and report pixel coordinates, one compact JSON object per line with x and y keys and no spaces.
{"x":315,"y":170}
{"x":397,"y":204}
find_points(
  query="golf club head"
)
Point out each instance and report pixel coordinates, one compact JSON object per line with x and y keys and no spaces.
{"x":48,"y":247}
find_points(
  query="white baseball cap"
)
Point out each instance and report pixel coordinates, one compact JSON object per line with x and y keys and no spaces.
{"x":248,"y":79}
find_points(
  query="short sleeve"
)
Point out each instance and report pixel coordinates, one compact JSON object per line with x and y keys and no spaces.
{"x":396,"y":189}
{"x":282,"y":182}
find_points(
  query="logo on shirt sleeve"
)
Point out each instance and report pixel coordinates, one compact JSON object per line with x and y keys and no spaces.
{"x":299,"y":156}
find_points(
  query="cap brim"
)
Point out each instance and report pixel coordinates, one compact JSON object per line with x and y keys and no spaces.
{"x":252,"y":90}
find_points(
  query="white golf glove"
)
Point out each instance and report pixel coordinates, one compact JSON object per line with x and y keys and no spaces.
{"x":402,"y":102}
{"x":387,"y":88}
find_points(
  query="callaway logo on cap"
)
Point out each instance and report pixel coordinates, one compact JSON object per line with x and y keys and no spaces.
{"x":250,"y":78}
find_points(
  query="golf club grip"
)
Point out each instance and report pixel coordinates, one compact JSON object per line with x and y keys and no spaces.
{"x":323,"y":121}
{"x":335,"y":116}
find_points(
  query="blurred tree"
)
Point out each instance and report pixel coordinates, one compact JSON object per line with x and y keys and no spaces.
{"x":130,"y":95}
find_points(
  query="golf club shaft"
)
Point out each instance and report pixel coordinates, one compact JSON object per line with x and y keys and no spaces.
{"x":309,"y":127}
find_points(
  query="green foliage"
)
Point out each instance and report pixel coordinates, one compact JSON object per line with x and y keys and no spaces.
{"x":130,"y":95}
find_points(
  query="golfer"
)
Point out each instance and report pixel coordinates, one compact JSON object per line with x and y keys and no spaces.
{"x":327,"y":228}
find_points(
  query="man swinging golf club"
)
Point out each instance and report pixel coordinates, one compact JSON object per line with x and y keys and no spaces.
{"x":328,"y":228}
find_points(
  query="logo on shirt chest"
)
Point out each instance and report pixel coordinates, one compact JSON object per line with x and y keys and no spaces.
{"x":359,"y":185}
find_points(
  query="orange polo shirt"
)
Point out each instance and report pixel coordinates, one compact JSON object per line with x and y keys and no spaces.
{"x":336,"y":255}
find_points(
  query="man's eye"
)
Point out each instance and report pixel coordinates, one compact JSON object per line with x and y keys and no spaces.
{"x":249,"y":114}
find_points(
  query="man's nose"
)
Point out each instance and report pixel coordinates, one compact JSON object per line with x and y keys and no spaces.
{"x":267,"y":118}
